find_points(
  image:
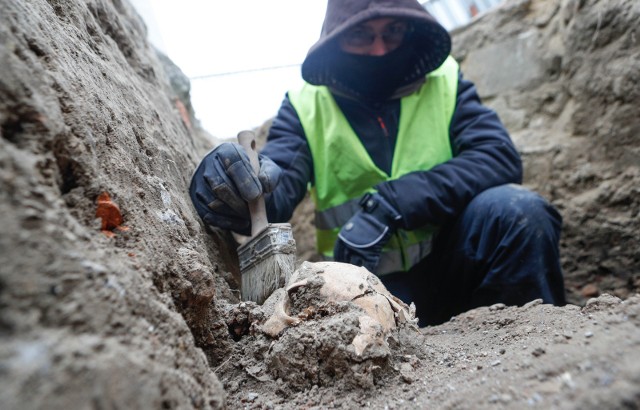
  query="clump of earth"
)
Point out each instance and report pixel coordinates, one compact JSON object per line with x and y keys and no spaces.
{"x":333,"y":325}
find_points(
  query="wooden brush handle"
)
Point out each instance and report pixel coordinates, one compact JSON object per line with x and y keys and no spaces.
{"x":257,"y":207}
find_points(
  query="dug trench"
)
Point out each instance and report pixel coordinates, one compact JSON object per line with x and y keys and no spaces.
{"x":147,"y":315}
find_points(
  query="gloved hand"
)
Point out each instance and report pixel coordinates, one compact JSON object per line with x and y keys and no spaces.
{"x":362,"y":238}
{"x":224,"y":182}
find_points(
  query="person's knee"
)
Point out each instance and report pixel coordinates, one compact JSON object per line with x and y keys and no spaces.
{"x":514,"y":204}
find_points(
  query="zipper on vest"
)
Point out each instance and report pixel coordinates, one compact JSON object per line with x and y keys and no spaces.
{"x":383,"y":126}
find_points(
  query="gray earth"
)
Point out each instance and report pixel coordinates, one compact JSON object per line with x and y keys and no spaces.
{"x":140,"y":309}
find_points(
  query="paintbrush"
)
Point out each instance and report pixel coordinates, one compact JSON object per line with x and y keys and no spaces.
{"x":268,"y":258}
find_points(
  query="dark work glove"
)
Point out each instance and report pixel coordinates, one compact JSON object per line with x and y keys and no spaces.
{"x":362,"y":238}
{"x":224,"y":182}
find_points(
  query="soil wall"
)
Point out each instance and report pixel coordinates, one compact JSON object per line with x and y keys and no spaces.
{"x":92,"y":319}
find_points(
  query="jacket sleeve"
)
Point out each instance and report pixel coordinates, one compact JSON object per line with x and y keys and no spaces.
{"x":287,"y":146}
{"x":483,"y":157}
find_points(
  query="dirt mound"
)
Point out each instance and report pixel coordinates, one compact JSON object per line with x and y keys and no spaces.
{"x":537,"y":356}
{"x":142,"y":311}
{"x":333,"y":325}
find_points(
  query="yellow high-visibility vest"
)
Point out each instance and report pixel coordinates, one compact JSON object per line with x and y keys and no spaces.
{"x":344,"y":171}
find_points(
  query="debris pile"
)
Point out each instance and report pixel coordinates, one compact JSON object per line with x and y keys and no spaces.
{"x":332,"y":325}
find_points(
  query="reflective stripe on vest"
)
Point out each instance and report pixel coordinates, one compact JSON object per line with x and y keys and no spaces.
{"x":344,"y":171}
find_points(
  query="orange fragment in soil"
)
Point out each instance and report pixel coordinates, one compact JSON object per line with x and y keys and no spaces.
{"x":184,"y":114}
{"x":110,"y":214}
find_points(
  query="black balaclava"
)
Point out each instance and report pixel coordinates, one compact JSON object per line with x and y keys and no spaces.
{"x":374,"y":78}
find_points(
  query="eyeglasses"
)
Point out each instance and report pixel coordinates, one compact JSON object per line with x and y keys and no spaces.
{"x":393,"y":35}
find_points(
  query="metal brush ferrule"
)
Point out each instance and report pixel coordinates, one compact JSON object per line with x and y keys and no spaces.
{"x":274,"y":239}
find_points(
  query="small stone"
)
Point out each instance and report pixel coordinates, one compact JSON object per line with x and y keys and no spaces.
{"x":233,"y":387}
{"x":535,"y":399}
{"x":496,"y":363}
{"x":406,"y":367}
{"x":567,"y":381}
{"x":56,"y":290}
{"x":538,"y":351}
{"x":589,"y":291}
{"x":505,"y":398}
{"x":532,"y":304}
{"x":406,"y":373}
{"x":251,"y":397}
{"x":500,"y":398}
{"x":588,"y":334}
{"x":497,"y":306}
{"x":502,"y":351}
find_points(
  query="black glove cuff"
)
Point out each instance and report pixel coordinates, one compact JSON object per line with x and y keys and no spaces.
{"x":381,"y":209}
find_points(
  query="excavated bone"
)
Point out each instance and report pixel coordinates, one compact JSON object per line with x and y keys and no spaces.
{"x":279,"y":320}
{"x":371,"y":333}
{"x":326,"y":282}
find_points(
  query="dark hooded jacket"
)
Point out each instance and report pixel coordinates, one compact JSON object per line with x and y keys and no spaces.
{"x":483,"y":153}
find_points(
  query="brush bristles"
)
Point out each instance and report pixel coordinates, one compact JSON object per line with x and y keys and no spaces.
{"x":261,"y":279}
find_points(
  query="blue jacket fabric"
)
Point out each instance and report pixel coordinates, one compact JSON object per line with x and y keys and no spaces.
{"x":483,"y":157}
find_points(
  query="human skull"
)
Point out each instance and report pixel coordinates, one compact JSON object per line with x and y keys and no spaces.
{"x":321,"y":286}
